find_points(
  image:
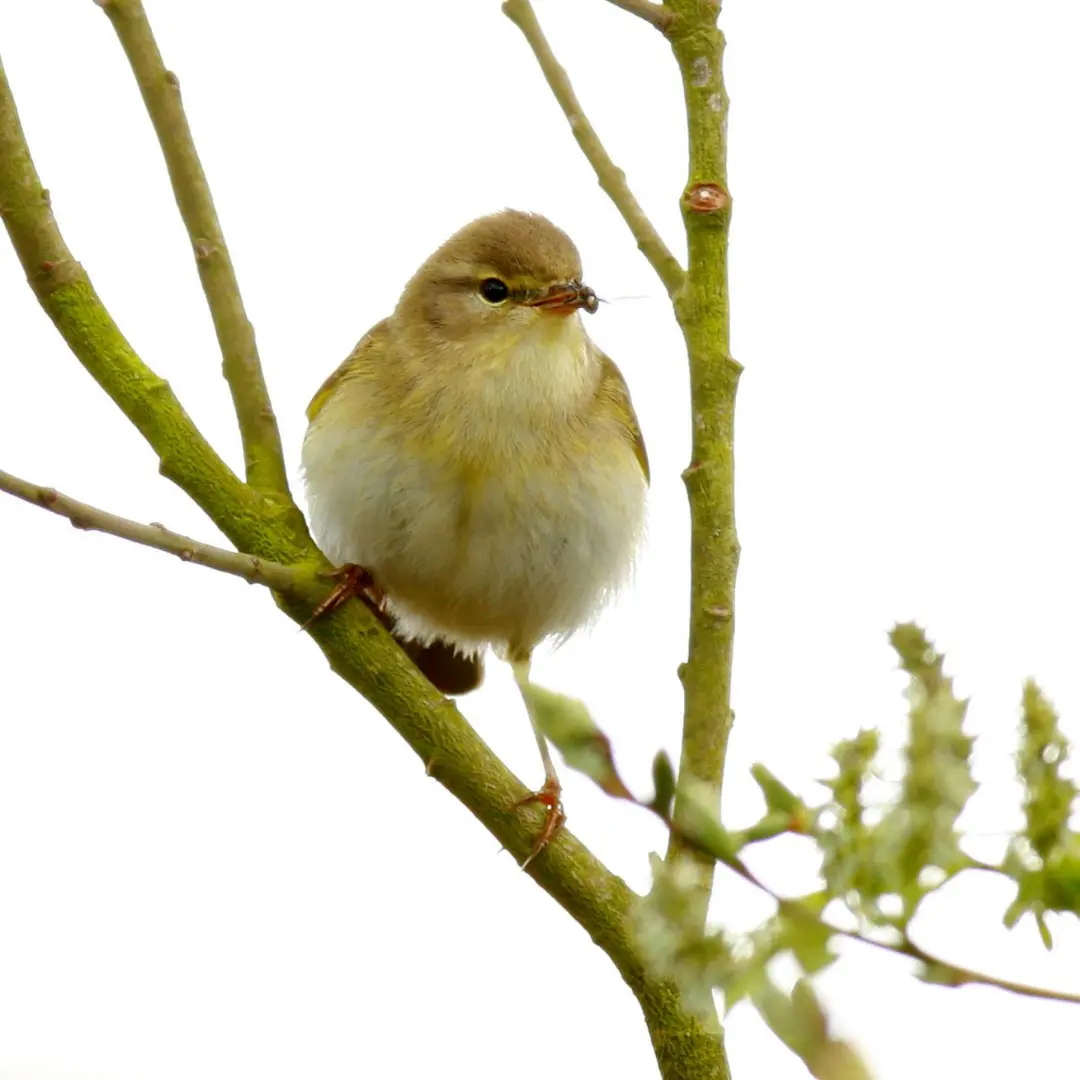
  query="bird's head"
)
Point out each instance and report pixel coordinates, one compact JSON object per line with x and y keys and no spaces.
{"x":502,"y":281}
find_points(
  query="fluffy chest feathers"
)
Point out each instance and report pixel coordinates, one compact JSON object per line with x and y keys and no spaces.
{"x":503,"y":397}
{"x":497,"y":504}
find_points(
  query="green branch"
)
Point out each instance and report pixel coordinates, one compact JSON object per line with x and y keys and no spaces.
{"x":700,"y":299}
{"x":611,"y":177}
{"x":702,"y":312}
{"x":64,"y":291}
{"x":82,"y":515}
{"x":264,"y":461}
{"x":658,"y":14}
{"x":943,"y":972}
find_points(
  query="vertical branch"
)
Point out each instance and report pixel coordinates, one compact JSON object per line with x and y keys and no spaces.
{"x":263,"y":458}
{"x":700,"y":299}
{"x":703,"y":314}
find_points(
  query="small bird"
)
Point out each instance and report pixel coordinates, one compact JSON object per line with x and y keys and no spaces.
{"x":476,"y":465}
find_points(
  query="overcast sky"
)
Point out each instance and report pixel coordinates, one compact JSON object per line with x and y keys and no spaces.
{"x":215,"y":859}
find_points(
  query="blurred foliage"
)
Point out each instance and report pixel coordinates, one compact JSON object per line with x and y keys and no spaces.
{"x":1044,"y":859}
{"x":877,"y":861}
{"x":565,"y":721}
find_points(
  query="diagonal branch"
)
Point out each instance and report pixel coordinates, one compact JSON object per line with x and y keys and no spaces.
{"x":611,"y":177}
{"x":660,"y":16}
{"x":264,"y":461}
{"x":65,"y":292}
{"x":83,"y":516}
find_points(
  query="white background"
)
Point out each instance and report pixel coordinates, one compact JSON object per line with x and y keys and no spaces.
{"x":215,"y":859}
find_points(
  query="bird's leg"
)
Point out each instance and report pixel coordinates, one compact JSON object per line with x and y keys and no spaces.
{"x":352,"y":580}
{"x":551,"y":793}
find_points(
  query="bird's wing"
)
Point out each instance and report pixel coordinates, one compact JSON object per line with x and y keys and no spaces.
{"x":614,"y":391}
{"x":365,"y":353}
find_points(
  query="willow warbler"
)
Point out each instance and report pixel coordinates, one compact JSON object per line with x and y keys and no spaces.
{"x":479,"y":457}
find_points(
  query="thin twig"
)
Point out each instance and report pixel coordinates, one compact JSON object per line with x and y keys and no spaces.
{"x":65,"y":293}
{"x":83,"y":516}
{"x":956,"y":974}
{"x":612,"y":179}
{"x":657,"y":14}
{"x":264,"y":461}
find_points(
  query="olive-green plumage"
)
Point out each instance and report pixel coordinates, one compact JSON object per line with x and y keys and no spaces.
{"x":477,"y":453}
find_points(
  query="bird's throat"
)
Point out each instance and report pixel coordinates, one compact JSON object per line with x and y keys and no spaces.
{"x":544,"y":374}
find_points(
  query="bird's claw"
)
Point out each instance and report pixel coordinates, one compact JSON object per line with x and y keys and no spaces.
{"x":551,"y":797}
{"x":352,"y":581}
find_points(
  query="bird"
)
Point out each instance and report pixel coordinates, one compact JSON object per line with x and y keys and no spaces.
{"x":476,"y":466}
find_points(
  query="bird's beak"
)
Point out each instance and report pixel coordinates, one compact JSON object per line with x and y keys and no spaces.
{"x":566,"y":298}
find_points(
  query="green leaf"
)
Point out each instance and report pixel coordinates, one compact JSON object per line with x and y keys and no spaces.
{"x":919,"y":831}
{"x":810,"y":942}
{"x":808,"y":1012}
{"x":1055,"y":886}
{"x":1013,"y":913}
{"x":800,"y":1023}
{"x":673,"y":945}
{"x":815,"y":903}
{"x":1062,"y":877}
{"x":1044,"y":930}
{"x":664,"y":785}
{"x":940,"y":975}
{"x":854,"y":764}
{"x":917,"y":656}
{"x":1044,"y":859}
{"x":771,"y":825}
{"x":1048,"y":796}
{"x":778,"y":797}
{"x":745,"y":981}
{"x":697,"y":818}
{"x":849,"y":863}
{"x":566,"y":723}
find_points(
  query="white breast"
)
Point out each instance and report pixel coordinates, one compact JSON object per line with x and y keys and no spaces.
{"x":527,"y":547}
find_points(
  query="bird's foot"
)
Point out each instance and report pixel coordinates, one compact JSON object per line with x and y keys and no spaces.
{"x":551,"y":796}
{"x":352,"y":580}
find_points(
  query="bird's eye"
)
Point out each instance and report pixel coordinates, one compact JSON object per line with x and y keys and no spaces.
{"x":493,"y":290}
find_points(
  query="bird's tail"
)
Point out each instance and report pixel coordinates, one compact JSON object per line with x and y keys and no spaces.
{"x":440,"y":663}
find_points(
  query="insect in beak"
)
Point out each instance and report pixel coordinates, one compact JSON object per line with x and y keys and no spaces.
{"x":567,"y":298}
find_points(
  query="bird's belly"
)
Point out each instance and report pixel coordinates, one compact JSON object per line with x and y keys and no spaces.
{"x":505,"y":557}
